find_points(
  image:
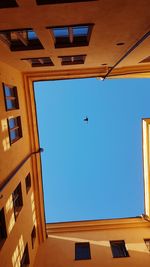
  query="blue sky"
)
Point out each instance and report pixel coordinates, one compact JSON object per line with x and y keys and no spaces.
{"x":92,"y":170}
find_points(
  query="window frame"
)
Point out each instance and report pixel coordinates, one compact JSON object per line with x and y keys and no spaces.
{"x":13,"y":96}
{"x":22,"y":43}
{"x":17,"y":122}
{"x":40,"y":63}
{"x":74,"y":61}
{"x":79,"y":245}
{"x":116,"y":247}
{"x":71,"y":40}
{"x":17,"y":200}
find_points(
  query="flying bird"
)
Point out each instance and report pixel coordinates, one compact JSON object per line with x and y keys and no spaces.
{"x":86,"y":119}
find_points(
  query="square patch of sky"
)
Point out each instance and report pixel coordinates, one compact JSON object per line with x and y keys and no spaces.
{"x":31,"y":35}
{"x":92,"y":170}
{"x":61,"y":32}
{"x":80,"y":31}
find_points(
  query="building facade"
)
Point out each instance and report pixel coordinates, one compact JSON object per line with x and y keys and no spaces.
{"x":47,"y":40}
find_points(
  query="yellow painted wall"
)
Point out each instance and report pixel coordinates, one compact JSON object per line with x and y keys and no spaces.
{"x":59,"y":249}
{"x":19,"y":230}
{"x":10,"y":156}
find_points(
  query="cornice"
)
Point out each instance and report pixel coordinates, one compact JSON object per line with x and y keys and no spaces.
{"x":67,"y":227}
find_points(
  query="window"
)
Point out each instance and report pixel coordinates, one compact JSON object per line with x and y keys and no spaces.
{"x":3,"y":232}
{"x":71,"y":36}
{"x":25,"y":261}
{"x":11,"y":97}
{"x":8,"y":3}
{"x":147,"y":243}
{"x":119,"y":249}
{"x":82,"y":251}
{"x":28,"y":182}
{"x":46,"y":2}
{"x":17,"y":200}
{"x":33,"y":236}
{"x":72,"y":60}
{"x":39,"y":62}
{"x":15,"y":131}
{"x":20,"y":39}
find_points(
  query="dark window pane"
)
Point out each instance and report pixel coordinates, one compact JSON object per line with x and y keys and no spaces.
{"x":82,"y":251}
{"x":71,"y":60}
{"x":25,"y":261}
{"x":8,"y":3}
{"x":28,"y":182}
{"x":17,"y":200}
{"x":3,"y":232}
{"x":33,"y":236}
{"x":118,"y":249}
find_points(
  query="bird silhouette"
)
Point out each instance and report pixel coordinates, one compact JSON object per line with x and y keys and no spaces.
{"x":86,"y":119}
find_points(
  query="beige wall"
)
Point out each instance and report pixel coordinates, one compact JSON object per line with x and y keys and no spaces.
{"x":59,"y":248}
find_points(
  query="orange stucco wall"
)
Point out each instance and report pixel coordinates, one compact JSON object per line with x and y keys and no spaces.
{"x":59,"y":249}
{"x":19,"y":231}
{"x":10,"y":156}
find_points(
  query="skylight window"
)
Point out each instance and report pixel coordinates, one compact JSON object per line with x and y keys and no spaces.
{"x":71,"y":36}
{"x":20,"y":40}
{"x":39,"y":62}
{"x":72,"y":60}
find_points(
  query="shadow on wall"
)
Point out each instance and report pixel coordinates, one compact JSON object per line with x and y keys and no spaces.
{"x":61,"y":251}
